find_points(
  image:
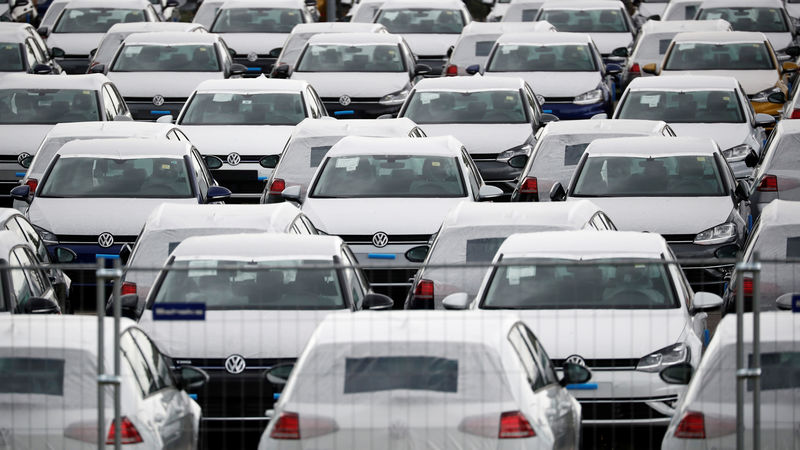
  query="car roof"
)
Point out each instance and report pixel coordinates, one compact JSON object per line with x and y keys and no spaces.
{"x":684,"y":82}
{"x":469,"y":83}
{"x":428,"y":146}
{"x":5,"y":213}
{"x":715,"y":37}
{"x":259,"y":246}
{"x":473,"y":214}
{"x":171,"y":38}
{"x":10,"y":239}
{"x":334,"y":27}
{"x":26,"y":330}
{"x":355,"y":38}
{"x":174,"y":216}
{"x":584,"y":243}
{"x":582,"y":4}
{"x":259,"y":84}
{"x":781,"y":213}
{"x":741,"y":3}
{"x":424,"y":4}
{"x":680,"y":26}
{"x":126,"y":148}
{"x":142,"y":27}
{"x":110,"y":128}
{"x":93,"y":81}
{"x":116,"y":4}
{"x":16,"y":33}
{"x":505,"y":27}
{"x":299,"y":4}
{"x":544,"y":38}
{"x":587,"y":126}
{"x":777,"y":326}
{"x":652,"y":146}
{"x":311,"y":128}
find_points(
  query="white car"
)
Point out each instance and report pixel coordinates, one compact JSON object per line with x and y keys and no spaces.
{"x":261,"y":306}
{"x":522,"y":11}
{"x":19,"y":11}
{"x":496,"y":118}
{"x":358,"y":75}
{"x":614,"y":302}
{"x":399,"y":188}
{"x":310,"y":142}
{"x":27,"y":287}
{"x":54,"y":375}
{"x":471,"y":234}
{"x":157,"y":72}
{"x":226,"y":118}
{"x":23,"y":50}
{"x":206,"y":12}
{"x":80,"y":26}
{"x":429,"y":27}
{"x":255,"y":30}
{"x":680,"y":10}
{"x":30,"y":105}
{"x":700,"y":106}
{"x":477,"y":40}
{"x":607,"y":22}
{"x":706,"y":416}
{"x":653,"y":184}
{"x":364,"y":11}
{"x":170,"y":223}
{"x":767,"y":16}
{"x":432,"y":380}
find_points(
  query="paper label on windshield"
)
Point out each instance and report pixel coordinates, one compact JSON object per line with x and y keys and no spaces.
{"x":427,"y":97}
{"x":713,"y":16}
{"x":515,"y":273}
{"x":202,"y":269}
{"x":686,"y":46}
{"x":650,"y":100}
{"x":222,"y":97}
{"x":348,"y":164}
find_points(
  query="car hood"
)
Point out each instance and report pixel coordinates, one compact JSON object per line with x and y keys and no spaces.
{"x":369,"y":215}
{"x":167,"y":84}
{"x":779,"y":41}
{"x":77,"y":44}
{"x":665,"y":215}
{"x":261,"y":43}
{"x":556,"y":84}
{"x":605,"y":334}
{"x":607,"y":42}
{"x":88,"y":216}
{"x":430,"y":44}
{"x":249,"y":333}
{"x":22,"y":138}
{"x":354,"y":84}
{"x":483,"y":138}
{"x":726,"y":135}
{"x":752,"y":81}
{"x":224,"y":139}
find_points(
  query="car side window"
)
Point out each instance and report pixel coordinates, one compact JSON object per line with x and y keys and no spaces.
{"x":109,"y":109}
{"x":203,"y":180}
{"x":313,"y":107}
{"x":20,"y":286}
{"x":546,"y":366}
{"x":536,"y":108}
{"x":157,"y":362}
{"x":320,"y":106}
{"x":470,"y":176}
{"x":32,"y":237}
{"x":526,"y":358}
{"x":141,"y":372}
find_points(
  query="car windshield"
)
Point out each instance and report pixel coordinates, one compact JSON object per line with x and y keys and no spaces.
{"x":466,"y":107}
{"x":669,"y":176}
{"x":431,"y":21}
{"x":96,"y":177}
{"x":258,"y":285}
{"x":229,"y":108}
{"x":586,"y":20}
{"x":96,"y":20}
{"x":11,"y":57}
{"x":47,"y":106}
{"x":351,"y":58}
{"x":542,"y":58}
{"x":398,"y":176}
{"x":683,"y":106}
{"x":728,"y":56}
{"x":567,"y":284}
{"x":764,"y":19}
{"x":167,"y":58}
{"x":257,"y":20}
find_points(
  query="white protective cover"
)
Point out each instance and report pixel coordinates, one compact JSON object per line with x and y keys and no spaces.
{"x":21,"y":138}
{"x":259,"y":43}
{"x":76,"y":44}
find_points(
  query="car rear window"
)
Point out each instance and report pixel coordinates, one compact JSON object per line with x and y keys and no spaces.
{"x":10,"y":57}
{"x":386,"y":373}
{"x":32,"y":376}
{"x":779,"y":370}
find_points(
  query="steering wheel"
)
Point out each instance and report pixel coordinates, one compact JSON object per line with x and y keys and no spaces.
{"x":429,"y":188}
{"x":162,"y":186}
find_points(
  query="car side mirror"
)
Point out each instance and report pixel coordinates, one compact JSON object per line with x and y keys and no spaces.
{"x":281,"y":71}
{"x":275,"y":52}
{"x":459,"y":300}
{"x":547,"y":118}
{"x":191,"y":378}
{"x":613,"y":69}
{"x":279,"y":374}
{"x":518,"y":162}
{"x":677,"y":374}
{"x":167,"y":118}
{"x":43,"y":32}
{"x":292,"y":194}
{"x":125,"y":253}
{"x":172,"y":4}
{"x":92,"y":52}
{"x":65,"y":255}
{"x":22,"y":193}
{"x":213,"y":162}
{"x":789,"y":67}
{"x":40,"y":305}
{"x":26,"y":161}
{"x":777,"y":97}
{"x":574,"y":374}
{"x":764,"y":120}
{"x":269,"y":161}
{"x":422,"y":69}
{"x":621,"y":52}
{"x":377,"y":302}
{"x":488,"y":192}
{"x":129,"y":306}
{"x":42,"y":69}
{"x":238,"y":69}
{"x":217,"y":194}
{"x":98,"y":68}
{"x":57,"y":52}
{"x":793,"y":51}
{"x":651,"y":68}
{"x":418,"y":254}
{"x":473,"y":69}
{"x":557,"y":193}
{"x":751,"y":160}
{"x":742,"y":191}
{"x":703,"y":301}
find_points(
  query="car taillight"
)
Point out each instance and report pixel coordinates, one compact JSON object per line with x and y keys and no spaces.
{"x":748,"y":286}
{"x":514,"y":425}
{"x":451,"y":71}
{"x":635,"y":68}
{"x":32,"y":183}
{"x":277,"y":186}
{"x":424,"y":290}
{"x":795,"y":114}
{"x":288,"y":427}
{"x":82,"y":431}
{"x":768,"y":183}
{"x":529,"y":186}
{"x":128,"y":433}
{"x":127,"y":288}
{"x":691,"y":426}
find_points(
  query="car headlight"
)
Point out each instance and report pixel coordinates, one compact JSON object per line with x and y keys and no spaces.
{"x":761,"y":97}
{"x":524,"y":149}
{"x":587,"y":98}
{"x":395,"y":98}
{"x":737,"y":152}
{"x":716,"y":235}
{"x":48,"y":237}
{"x":667,"y":356}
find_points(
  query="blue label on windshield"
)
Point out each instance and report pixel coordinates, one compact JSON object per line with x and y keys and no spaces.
{"x":179,"y":311}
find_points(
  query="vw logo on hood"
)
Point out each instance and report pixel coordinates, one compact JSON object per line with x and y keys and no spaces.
{"x":380,"y":239}
{"x":575,"y":359}
{"x":158,"y":100}
{"x":252,"y":56}
{"x":21,"y":157}
{"x":105,"y":240}
{"x":345,"y":100}
{"x":235,"y":364}
{"x":234,"y":159}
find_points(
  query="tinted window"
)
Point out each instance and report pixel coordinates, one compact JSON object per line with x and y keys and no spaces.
{"x":227,"y":108}
{"x":586,"y":21}
{"x":167,"y":58}
{"x":728,"y":56}
{"x":156,"y":361}
{"x":410,"y":21}
{"x":779,"y":370}
{"x":542,"y":58}
{"x":765,"y":20}
{"x":257,"y":20}
{"x":482,"y":48}
{"x":32,"y":376}
{"x":466,"y":107}
{"x":11,"y":57}
{"x":96,"y":20}
{"x":683,"y":107}
{"x":351,"y":58}
{"x":483,"y":249}
{"x":400,"y":372}
{"x":47,"y":106}
{"x":526,"y":358}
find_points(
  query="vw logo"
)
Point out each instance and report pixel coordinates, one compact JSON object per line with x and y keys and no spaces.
{"x":158,"y":100}
{"x":235,"y":364}
{"x":21,"y":157}
{"x":252,"y":56}
{"x":345,"y":100}
{"x":575,"y":359}
{"x":380,"y":239}
{"x":105,"y":240}
{"x":234,"y":159}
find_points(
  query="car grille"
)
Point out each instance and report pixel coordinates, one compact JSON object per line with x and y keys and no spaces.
{"x":604,"y":364}
{"x":352,"y":99}
{"x":239,"y":181}
{"x":484,"y":156}
{"x":244,"y":158}
{"x":678,"y":238}
{"x":623,"y":409}
{"x":92,"y":239}
{"x":362,"y":239}
{"x":392,"y":282}
{"x":559,"y":99}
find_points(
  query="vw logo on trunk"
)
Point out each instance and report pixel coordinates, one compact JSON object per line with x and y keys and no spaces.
{"x":235,"y":364}
{"x":345,"y":100}
{"x":575,"y":359}
{"x":234,"y":159}
{"x":380,"y":239}
{"x":105,"y":240}
{"x":158,"y":100}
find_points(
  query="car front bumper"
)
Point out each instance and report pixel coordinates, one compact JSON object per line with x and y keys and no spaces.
{"x":359,"y":109}
{"x":145,"y":109}
{"x":571,"y":111}
{"x":262,"y":65}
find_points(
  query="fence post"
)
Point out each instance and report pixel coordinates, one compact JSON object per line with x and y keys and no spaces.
{"x":331,"y":10}
{"x":102,"y":274}
{"x":101,"y":312}
{"x":755,"y":370}
{"x":116,"y":277}
{"x":743,"y":371}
